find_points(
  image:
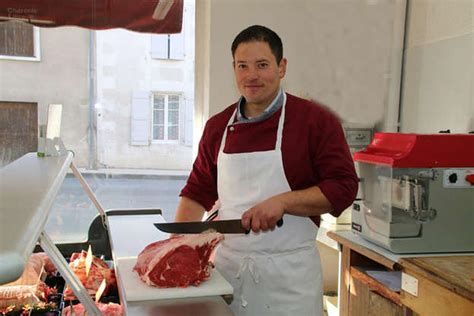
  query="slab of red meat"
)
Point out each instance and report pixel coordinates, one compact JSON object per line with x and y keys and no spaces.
{"x":45,"y":260}
{"x":99,"y":271}
{"x":110,"y":309}
{"x":180,"y":261}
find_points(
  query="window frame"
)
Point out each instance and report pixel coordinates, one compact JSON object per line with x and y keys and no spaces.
{"x":170,"y":47}
{"x":36,"y":49}
{"x":165,"y":119}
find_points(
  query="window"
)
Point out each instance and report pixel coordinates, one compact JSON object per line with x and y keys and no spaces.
{"x":19,"y":41}
{"x":167,"y":46}
{"x":166,"y":117}
{"x":18,"y":130}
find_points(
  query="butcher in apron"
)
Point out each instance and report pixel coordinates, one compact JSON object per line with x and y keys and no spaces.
{"x":269,"y":271}
{"x":273,"y":270}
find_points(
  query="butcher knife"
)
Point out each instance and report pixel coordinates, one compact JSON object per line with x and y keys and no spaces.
{"x":230,"y":226}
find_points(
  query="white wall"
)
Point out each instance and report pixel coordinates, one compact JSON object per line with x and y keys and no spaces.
{"x":124,"y":65}
{"x":345,"y":54}
{"x":437,"y":91}
{"x":202,"y":84}
{"x":61,"y":76}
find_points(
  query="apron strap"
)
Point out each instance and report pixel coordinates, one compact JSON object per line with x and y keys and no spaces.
{"x":221,"y":149}
{"x":281,"y":122}
{"x":248,"y":263}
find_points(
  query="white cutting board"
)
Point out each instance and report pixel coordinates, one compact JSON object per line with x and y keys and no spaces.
{"x":135,"y":289}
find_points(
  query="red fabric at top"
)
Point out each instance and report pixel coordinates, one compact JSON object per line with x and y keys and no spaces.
{"x":314,"y":152}
{"x":136,"y":15}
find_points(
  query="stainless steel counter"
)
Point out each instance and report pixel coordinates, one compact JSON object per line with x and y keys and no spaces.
{"x":129,"y":234}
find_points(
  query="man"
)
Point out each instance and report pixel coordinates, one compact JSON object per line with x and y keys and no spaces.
{"x":269,"y":156}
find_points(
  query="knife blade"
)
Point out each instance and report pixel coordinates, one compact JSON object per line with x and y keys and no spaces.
{"x":230,"y":226}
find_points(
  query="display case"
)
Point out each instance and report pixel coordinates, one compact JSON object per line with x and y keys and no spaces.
{"x":28,"y":189}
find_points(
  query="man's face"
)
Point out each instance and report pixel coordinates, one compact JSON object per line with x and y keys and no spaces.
{"x":257,"y":73}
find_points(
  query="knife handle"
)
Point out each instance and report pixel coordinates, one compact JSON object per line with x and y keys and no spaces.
{"x":279,"y":224}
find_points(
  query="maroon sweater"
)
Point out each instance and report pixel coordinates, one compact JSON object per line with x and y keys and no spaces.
{"x":314,"y":150}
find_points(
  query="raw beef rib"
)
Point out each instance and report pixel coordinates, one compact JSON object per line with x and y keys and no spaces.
{"x":180,"y":261}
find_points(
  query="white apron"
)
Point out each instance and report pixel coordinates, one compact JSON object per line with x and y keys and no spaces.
{"x":276,"y":272}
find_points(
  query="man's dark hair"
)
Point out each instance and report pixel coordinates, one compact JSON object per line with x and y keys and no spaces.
{"x":261,"y":34}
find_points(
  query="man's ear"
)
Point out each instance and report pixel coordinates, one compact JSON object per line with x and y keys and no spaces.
{"x":282,"y":67}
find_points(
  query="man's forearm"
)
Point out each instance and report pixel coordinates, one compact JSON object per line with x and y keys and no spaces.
{"x":189,"y":210}
{"x":307,"y":202}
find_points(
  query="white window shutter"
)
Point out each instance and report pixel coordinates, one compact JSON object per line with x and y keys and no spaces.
{"x":188,"y":122}
{"x":159,"y":46}
{"x":182,"y":120}
{"x":177,"y":46}
{"x":140,"y":124}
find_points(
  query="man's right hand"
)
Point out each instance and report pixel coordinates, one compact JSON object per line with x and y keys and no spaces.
{"x":264,"y":216}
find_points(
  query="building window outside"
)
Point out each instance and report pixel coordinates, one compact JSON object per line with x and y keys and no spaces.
{"x":167,"y":46}
{"x":19,"y":41}
{"x":166,"y":117}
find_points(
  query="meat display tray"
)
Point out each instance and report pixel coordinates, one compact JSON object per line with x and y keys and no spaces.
{"x":57,"y":282}
{"x":25,"y":216}
{"x":135,"y":289}
{"x":57,"y":298}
